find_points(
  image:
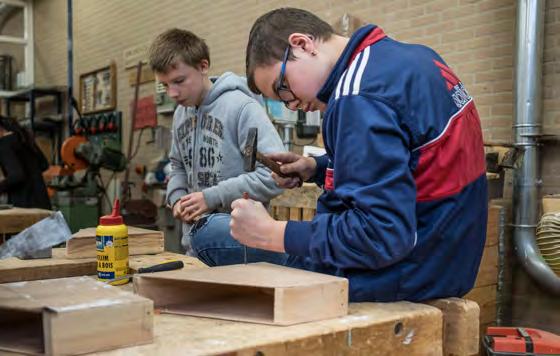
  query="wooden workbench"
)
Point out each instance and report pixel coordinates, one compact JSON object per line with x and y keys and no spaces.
{"x":369,"y":329}
{"x":14,"y":220}
{"x":448,"y":326}
{"x":15,"y":270}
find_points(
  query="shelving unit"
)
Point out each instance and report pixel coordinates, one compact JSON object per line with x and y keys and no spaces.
{"x":53,"y":128}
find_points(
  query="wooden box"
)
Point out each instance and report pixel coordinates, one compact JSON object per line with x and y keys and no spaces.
{"x":140,"y":242}
{"x":257,"y":292}
{"x":71,"y":316}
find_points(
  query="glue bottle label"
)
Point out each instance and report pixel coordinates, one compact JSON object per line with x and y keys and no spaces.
{"x":112,"y":256}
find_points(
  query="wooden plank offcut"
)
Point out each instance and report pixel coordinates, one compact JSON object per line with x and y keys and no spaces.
{"x":15,"y":220}
{"x":16,"y":270}
{"x":140,"y":242}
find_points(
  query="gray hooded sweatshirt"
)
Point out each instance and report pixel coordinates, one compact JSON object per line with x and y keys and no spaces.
{"x":207,"y":147}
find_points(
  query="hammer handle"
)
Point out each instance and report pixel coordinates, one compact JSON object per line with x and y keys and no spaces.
{"x":273,"y":166}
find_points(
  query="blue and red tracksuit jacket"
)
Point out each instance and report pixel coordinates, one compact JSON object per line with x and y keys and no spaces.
{"x":404,"y":209}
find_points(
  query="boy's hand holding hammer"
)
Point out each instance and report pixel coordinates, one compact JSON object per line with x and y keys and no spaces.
{"x":288,"y":169}
{"x":252,"y":226}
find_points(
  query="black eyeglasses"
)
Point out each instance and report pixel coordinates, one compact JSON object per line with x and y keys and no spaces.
{"x":282,"y":90}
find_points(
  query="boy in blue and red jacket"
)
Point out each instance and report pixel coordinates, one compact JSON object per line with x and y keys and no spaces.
{"x":404,"y":209}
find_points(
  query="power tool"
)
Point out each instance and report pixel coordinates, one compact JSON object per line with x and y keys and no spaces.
{"x":510,"y":341}
{"x":77,"y":186}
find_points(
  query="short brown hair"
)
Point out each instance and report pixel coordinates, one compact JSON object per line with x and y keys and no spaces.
{"x":176,"y":44}
{"x":269,"y":35}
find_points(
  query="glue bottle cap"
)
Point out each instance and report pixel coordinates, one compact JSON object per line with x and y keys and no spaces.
{"x":115,"y":218}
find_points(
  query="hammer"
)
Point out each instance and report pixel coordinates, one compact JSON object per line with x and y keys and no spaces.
{"x":251,"y":156}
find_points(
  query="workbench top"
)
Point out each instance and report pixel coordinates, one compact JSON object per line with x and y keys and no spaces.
{"x":401,"y":328}
{"x":16,"y":270}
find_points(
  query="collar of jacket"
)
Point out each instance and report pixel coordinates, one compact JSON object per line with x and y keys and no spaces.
{"x":363,"y":35}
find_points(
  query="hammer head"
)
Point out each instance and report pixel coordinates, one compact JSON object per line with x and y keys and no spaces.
{"x":250,"y":151}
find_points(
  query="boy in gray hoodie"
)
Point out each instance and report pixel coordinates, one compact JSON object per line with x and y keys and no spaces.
{"x":210,"y":128}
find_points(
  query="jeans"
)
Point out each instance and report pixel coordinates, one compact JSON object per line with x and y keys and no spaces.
{"x":213,"y":244}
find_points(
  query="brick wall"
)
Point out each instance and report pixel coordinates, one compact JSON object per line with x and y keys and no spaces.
{"x":13,"y":26}
{"x":551,"y":96}
{"x":50,"y":42}
{"x":474,"y":36}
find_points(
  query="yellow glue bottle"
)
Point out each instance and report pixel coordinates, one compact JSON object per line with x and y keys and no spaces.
{"x":112,"y":247}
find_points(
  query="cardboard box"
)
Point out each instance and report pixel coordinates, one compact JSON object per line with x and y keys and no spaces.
{"x":71,"y":316}
{"x":257,"y":292}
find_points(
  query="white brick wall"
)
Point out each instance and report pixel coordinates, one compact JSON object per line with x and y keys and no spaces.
{"x":475,"y":37}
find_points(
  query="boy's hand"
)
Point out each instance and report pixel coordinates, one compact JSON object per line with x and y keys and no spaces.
{"x":292,"y":163}
{"x":177,"y":209}
{"x":251,"y":225}
{"x":191,"y":207}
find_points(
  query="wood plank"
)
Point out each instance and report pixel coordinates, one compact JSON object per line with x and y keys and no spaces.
{"x":255,"y":292}
{"x":16,"y":270}
{"x":136,"y":262}
{"x":493,"y":225}
{"x":488,"y":313}
{"x":15,"y":220}
{"x":303,"y":197}
{"x":282,"y":213}
{"x":295,"y":214}
{"x":258,"y":275}
{"x":460,"y":325}
{"x":488,"y":269}
{"x":307,"y":214}
{"x":482,"y":331}
{"x":484,"y":292}
{"x":485,"y":297}
{"x":140,"y":242}
{"x":401,"y":328}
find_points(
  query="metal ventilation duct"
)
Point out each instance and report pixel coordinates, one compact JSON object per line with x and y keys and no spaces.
{"x":527,"y":131}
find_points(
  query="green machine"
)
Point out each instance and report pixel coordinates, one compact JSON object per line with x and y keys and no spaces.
{"x":78,"y":184}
